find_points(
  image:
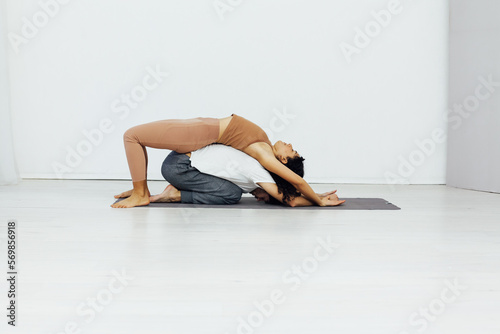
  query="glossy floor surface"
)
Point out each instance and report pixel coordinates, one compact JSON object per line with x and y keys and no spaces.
{"x":83,"y":267}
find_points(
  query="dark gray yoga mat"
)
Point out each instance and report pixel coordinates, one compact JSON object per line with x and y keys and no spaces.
{"x":251,"y":203}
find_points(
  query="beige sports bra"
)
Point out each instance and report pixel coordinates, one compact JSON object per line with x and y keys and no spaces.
{"x":240,"y":133}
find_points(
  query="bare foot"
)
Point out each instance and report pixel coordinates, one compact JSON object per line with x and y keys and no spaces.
{"x":170,"y":195}
{"x":134,"y":200}
{"x":125,"y":194}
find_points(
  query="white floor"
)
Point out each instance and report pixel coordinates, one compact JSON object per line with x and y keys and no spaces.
{"x":432,"y":267}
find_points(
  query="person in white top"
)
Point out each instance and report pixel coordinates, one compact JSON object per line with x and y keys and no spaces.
{"x":219,"y":174}
{"x":231,"y":164}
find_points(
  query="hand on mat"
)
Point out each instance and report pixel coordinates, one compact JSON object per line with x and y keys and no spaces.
{"x":332,"y":200}
{"x":328,"y":193}
{"x":332,"y":195}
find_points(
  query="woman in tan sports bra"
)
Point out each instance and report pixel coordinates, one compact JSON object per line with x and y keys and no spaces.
{"x":189,"y":135}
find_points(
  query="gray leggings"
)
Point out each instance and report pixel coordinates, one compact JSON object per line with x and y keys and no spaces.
{"x":195,"y":186}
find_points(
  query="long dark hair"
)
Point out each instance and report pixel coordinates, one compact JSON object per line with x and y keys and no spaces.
{"x":289,"y":192}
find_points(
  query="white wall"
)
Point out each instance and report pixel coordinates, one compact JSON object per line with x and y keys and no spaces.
{"x":354,"y":121}
{"x":8,"y":171}
{"x":474,"y":135}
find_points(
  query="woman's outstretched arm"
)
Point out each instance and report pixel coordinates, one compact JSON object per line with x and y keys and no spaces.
{"x":329,"y":198}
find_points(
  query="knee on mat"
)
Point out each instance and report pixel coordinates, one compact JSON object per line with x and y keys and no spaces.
{"x":233,"y":197}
